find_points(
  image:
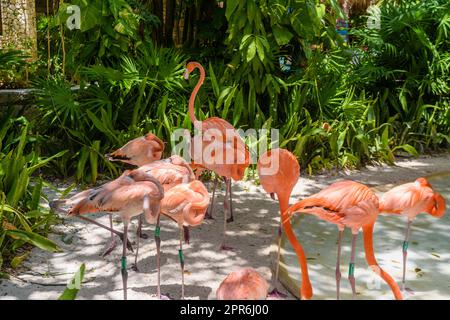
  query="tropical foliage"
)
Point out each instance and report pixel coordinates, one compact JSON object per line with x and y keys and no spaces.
{"x":21,"y":216}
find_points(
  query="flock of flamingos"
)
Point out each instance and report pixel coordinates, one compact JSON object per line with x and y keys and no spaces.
{"x":170,"y":187}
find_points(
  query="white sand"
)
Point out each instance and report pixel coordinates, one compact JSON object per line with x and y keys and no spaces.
{"x":44,"y":275}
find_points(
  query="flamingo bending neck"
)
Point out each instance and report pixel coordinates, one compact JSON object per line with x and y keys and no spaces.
{"x":372,"y":262}
{"x":306,"y":290}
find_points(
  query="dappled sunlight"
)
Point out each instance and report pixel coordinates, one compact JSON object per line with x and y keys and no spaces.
{"x":253,"y":238}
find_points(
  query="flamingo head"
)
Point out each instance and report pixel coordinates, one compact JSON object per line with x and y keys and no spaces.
{"x":191,"y":66}
{"x":439,"y":207}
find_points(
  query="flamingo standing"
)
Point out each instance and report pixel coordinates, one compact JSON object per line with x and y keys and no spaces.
{"x":169,"y":172}
{"x":137,"y":192}
{"x":355,"y":206}
{"x":218,"y":147}
{"x":278,"y":171}
{"x":409,"y":200}
{"x":244,"y":284}
{"x":139,"y":151}
{"x":186,"y":204}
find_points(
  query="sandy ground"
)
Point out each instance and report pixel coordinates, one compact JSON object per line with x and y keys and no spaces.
{"x":44,"y":275}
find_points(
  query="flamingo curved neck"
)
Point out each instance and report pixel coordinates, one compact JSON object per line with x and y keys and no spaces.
{"x":194,"y":96}
{"x":306,"y":288}
{"x":372,"y":262}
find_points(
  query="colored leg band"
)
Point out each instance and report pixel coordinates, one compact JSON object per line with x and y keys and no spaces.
{"x":157,"y":232}
{"x":180,"y":255}
{"x":351,"y":269}
{"x":124,"y":263}
{"x":405,"y":245}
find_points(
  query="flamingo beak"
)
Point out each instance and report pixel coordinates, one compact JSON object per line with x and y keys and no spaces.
{"x":186,"y":74}
{"x":272,"y":195}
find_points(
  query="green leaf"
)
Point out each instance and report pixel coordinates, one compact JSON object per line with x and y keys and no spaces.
{"x":93,"y":158}
{"x":36,"y":196}
{"x":43,"y":162}
{"x":251,"y":51}
{"x":260,"y":49}
{"x":35,"y":239}
{"x":231,"y":5}
{"x":70,"y":293}
{"x":408,"y":148}
{"x":282,"y":35}
{"x":17,"y":260}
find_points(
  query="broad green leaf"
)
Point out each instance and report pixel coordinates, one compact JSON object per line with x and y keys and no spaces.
{"x":17,"y":260}
{"x":35,"y":239}
{"x":230,"y":7}
{"x":408,"y":148}
{"x":251,"y":51}
{"x":71,"y":291}
{"x":282,"y":35}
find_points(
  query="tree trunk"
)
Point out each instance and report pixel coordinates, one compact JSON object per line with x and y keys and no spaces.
{"x":158,"y":10}
{"x":168,"y":22}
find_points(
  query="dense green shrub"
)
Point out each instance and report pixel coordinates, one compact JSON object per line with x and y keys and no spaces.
{"x":22,"y":219}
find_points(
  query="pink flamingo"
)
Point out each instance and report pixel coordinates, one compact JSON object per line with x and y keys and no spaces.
{"x":186,"y":204}
{"x":355,"y":206}
{"x":218,"y":147}
{"x":244,"y":284}
{"x":278,"y":171}
{"x":135,"y":193}
{"x":139,"y":151}
{"x":409,"y":200}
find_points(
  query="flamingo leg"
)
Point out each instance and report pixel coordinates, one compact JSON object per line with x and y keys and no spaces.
{"x":139,"y":230}
{"x":405,"y":251}
{"x":158,"y":258}
{"x":112,"y":243}
{"x":230,"y":197}
{"x":186,"y":233}
{"x":180,"y":255}
{"x":209,"y":213}
{"x":275,"y":292}
{"x":138,"y":233}
{"x":351,"y":267}
{"x":225,"y":214}
{"x":123,"y":268}
{"x":338,"y":265}
{"x":120,"y":234}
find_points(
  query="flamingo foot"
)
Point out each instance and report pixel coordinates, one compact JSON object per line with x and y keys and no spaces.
{"x":277,"y":294}
{"x":112,"y":245}
{"x":165,"y":297}
{"x":208,"y":216}
{"x":135,"y":268}
{"x":225,"y":248}
{"x":409,"y":291}
{"x":143,"y":236}
{"x":129,"y":246}
{"x":230,"y":219}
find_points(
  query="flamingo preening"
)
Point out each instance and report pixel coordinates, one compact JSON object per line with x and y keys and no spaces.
{"x":217,"y":147}
{"x":353,"y":205}
{"x":137,"y":192}
{"x":409,"y":200}
{"x":244,"y":284}
{"x":137,"y":152}
{"x":186,"y":204}
{"x":278,"y":171}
